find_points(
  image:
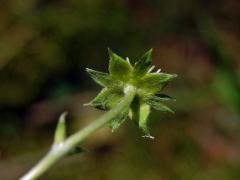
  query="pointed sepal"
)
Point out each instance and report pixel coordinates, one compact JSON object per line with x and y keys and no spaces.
{"x":162,"y":97}
{"x":143,"y":65}
{"x":103,"y":79}
{"x":118,"y":67}
{"x":139,"y":115}
{"x":135,"y":110}
{"x":143,"y":119}
{"x":153,"y":83}
{"x":106,"y":99}
{"x":156,"y":103}
{"x":119,"y":120}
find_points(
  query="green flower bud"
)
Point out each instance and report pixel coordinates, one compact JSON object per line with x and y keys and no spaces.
{"x":148,"y":84}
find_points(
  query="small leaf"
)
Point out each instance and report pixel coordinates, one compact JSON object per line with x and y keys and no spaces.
{"x":101,"y":78}
{"x":117,"y":122}
{"x":60,"y":132}
{"x":118,"y":67}
{"x":76,"y":150}
{"x":158,"y":105}
{"x":155,"y":82}
{"x":143,"y":65}
{"x":106,"y":99}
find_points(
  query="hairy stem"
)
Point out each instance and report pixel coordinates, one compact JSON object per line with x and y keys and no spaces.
{"x":60,"y":150}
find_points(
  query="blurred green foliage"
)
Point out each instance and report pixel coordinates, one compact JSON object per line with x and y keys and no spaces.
{"x":45,"y":45}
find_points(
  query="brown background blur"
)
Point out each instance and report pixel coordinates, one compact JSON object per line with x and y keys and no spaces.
{"x":45,"y":46}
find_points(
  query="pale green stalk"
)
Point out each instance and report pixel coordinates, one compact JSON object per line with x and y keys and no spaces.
{"x":61,"y":149}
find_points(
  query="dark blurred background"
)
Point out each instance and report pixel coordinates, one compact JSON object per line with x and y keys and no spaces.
{"x":45,"y":46}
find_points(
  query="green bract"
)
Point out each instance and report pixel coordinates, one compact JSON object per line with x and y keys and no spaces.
{"x":148,"y":86}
